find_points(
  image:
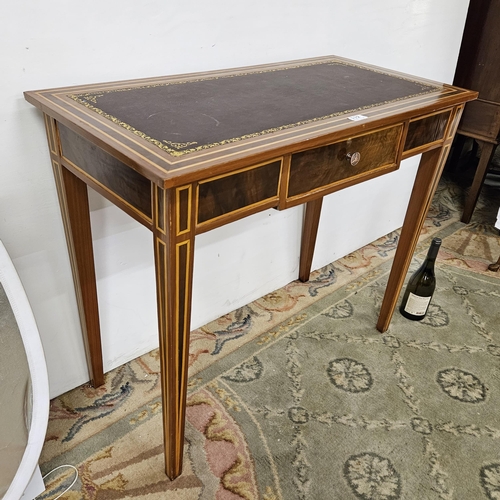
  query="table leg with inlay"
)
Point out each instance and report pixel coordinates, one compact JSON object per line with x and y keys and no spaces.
{"x":173,"y":231}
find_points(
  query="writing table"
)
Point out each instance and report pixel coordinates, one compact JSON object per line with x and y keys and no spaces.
{"x":185,"y":154}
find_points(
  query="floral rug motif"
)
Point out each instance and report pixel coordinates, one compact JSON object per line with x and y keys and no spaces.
{"x":297,"y":396}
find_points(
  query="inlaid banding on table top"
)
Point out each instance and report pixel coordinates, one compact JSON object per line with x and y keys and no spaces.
{"x":182,"y":117}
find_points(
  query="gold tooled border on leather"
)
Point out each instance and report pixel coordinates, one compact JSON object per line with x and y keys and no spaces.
{"x":88,"y":98}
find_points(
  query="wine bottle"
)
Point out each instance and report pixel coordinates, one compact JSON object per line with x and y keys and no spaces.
{"x":421,"y":286}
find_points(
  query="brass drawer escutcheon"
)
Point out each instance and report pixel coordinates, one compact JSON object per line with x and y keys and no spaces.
{"x":353,"y":158}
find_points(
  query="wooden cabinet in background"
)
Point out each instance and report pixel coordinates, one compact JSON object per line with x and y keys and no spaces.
{"x":478,"y":68}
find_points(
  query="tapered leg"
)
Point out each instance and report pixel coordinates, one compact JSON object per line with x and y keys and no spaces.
{"x":309,"y":233}
{"x":74,"y":203}
{"x":487,"y":150}
{"x":426,"y":181}
{"x":174,"y":244}
{"x":73,"y":199}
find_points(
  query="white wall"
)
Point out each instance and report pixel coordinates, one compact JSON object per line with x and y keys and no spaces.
{"x":58,"y":43}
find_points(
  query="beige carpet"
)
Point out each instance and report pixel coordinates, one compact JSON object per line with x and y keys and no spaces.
{"x":298,"y":396}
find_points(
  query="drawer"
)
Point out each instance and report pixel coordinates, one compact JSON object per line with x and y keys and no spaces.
{"x":129,"y":189}
{"x":425,"y":131}
{"x":228,"y":197}
{"x":327,"y":166}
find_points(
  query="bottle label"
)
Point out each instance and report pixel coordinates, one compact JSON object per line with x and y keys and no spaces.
{"x":417,"y":305}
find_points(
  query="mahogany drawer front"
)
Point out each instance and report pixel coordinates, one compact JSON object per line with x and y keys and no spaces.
{"x":325,"y":166}
{"x":126,"y":185}
{"x":244,"y":191}
{"x":426,"y":130}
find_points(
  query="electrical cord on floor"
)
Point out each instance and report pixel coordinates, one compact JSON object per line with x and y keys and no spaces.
{"x":71,"y":485}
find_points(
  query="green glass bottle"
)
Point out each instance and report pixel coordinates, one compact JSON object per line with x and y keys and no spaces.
{"x":421,"y":286}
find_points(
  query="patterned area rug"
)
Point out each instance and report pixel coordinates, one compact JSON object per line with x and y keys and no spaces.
{"x":297,"y":396}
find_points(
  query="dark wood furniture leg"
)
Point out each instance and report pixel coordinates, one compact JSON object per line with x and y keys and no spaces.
{"x":495,"y":266}
{"x":73,"y":198}
{"x":487,"y":150}
{"x":173,"y":231}
{"x":426,"y":181}
{"x":309,"y":233}
{"x":456,"y":152}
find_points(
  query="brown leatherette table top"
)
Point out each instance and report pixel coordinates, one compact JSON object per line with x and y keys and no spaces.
{"x":171,"y":127}
{"x":191,"y":115}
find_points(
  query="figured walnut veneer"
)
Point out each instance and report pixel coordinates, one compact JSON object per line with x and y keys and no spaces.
{"x":239,"y":191}
{"x":427,"y":130}
{"x":129,"y":187}
{"x":324,"y":167}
